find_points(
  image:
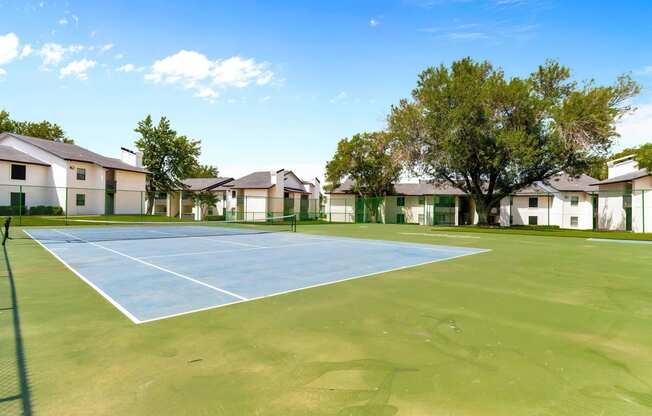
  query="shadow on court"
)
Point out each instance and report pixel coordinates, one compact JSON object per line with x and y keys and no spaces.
{"x":15,"y":396}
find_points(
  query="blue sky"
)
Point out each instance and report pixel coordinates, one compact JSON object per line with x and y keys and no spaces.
{"x":276,"y":84}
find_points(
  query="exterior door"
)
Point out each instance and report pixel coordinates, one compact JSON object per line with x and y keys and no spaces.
{"x":627,"y":206}
{"x":109,"y":203}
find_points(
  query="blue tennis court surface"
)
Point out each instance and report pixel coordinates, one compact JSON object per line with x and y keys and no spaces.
{"x":154,"y":278}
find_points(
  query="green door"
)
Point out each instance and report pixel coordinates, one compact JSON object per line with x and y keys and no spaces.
{"x":594,"y":200}
{"x":109,"y":203}
{"x":303,"y":207}
{"x":627,"y":206}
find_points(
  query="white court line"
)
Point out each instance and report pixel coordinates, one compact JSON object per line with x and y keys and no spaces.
{"x":441,"y":235}
{"x":197,"y":253}
{"x":88,"y":282}
{"x":163,"y":269}
{"x":610,"y":240}
{"x":480,"y":251}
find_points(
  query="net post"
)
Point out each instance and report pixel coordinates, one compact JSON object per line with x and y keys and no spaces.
{"x":6,"y":225}
{"x":294,"y":223}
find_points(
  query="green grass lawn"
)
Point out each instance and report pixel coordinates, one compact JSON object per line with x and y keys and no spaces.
{"x":538,"y":326}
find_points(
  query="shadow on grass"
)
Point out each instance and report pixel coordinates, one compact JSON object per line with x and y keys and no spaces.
{"x":22,"y":393}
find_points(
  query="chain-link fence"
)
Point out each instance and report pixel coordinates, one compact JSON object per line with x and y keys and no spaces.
{"x":424,"y":209}
{"x":44,"y":205}
{"x":622,"y":209}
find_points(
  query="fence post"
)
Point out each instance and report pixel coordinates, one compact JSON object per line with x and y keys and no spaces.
{"x":65,"y":202}
{"x":21,"y":201}
{"x":511,"y":202}
{"x":549,"y":199}
{"x":643,"y":207}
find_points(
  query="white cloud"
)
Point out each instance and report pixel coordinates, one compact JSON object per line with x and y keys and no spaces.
{"x":26,"y":51}
{"x":2,"y":72}
{"x":53,"y":54}
{"x":77,"y":69}
{"x":636,"y":128}
{"x":343,"y":95}
{"x":126,"y":68}
{"x":374,"y":22}
{"x":106,"y":48}
{"x":75,"y":18}
{"x":265,"y":99}
{"x":63,"y":21}
{"x":193,"y":70}
{"x":8,"y":47}
{"x":207,"y":93}
{"x":118,"y":56}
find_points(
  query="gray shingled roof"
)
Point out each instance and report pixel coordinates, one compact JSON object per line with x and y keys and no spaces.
{"x":566,"y":182}
{"x":561,"y":182}
{"x":9,"y":154}
{"x":255,"y":180}
{"x":425,"y":188}
{"x":641,"y":173}
{"x":203,"y":184}
{"x":432,"y":188}
{"x":76,"y":153}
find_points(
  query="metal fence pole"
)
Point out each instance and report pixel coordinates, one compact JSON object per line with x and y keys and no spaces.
{"x":549,"y":199}
{"x":643,"y":207}
{"x":65,"y":202}
{"x":20,"y":204}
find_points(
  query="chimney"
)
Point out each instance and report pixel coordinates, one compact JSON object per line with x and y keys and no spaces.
{"x":131,"y":158}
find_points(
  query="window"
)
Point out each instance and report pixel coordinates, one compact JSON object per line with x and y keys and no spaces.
{"x":17,"y":199}
{"x":400,"y":201}
{"x":233,"y":194}
{"x":574,"y":221}
{"x":81,"y":174}
{"x":575,"y":201}
{"x":80,"y":199}
{"x":422,"y":200}
{"x":533,"y":202}
{"x":533,"y":220}
{"x":18,"y":172}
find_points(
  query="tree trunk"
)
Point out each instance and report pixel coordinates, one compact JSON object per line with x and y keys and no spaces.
{"x":483,"y":208}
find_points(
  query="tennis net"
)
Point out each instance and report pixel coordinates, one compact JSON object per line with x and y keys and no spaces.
{"x":88,"y":230}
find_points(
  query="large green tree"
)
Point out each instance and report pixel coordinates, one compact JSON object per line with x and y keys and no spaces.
{"x":368,"y":161}
{"x":490,"y":135}
{"x":204,"y":171}
{"x":643,"y":155}
{"x":168,"y":156}
{"x":42,"y":129}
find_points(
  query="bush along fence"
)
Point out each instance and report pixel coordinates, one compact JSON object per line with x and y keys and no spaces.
{"x":614,"y":209}
{"x":54,"y":205}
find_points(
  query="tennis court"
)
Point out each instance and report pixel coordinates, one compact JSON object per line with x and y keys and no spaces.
{"x":157,"y":271}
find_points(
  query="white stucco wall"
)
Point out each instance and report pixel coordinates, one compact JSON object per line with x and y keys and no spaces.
{"x":642,"y":205}
{"x":256,"y":204}
{"x":340,"y":208}
{"x":35,"y":186}
{"x":130,"y":192}
{"x":611,"y":215}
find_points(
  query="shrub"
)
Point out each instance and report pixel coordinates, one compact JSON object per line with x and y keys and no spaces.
{"x":7,"y":210}
{"x":45,"y":210}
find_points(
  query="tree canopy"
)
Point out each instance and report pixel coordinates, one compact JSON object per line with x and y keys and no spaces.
{"x":42,"y":129}
{"x":368,"y":161}
{"x":204,"y":171}
{"x":490,"y":135}
{"x":643,"y":155}
{"x":168,"y":156}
